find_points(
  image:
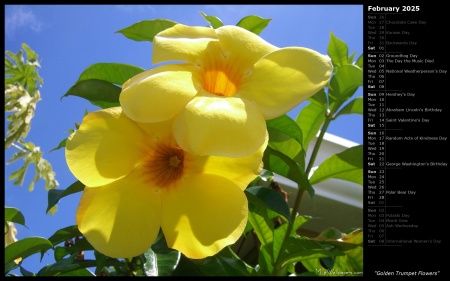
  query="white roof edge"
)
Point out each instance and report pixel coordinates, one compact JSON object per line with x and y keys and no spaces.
{"x":338,"y":140}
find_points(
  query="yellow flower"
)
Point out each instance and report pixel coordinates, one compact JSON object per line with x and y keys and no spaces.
{"x":138,"y":180}
{"x":231,"y":83}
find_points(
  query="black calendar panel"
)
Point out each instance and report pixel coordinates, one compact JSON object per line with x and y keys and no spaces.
{"x":406,"y":139}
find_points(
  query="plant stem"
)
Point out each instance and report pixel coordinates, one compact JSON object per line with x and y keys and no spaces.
{"x":278,"y":270}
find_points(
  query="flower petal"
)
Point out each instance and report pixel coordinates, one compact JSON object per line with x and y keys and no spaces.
{"x":241,"y":170}
{"x":106,"y":147}
{"x":122,"y":219}
{"x":159,"y":94}
{"x":242,"y":47}
{"x":182,"y":42}
{"x":221,"y":126}
{"x":203,"y":214}
{"x":284,"y":78}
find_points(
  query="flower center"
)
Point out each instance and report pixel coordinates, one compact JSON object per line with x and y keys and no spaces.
{"x":165,"y":165}
{"x":219,"y":82}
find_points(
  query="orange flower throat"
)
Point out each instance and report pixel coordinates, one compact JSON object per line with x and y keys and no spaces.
{"x":165,"y":165}
{"x":220,"y":80}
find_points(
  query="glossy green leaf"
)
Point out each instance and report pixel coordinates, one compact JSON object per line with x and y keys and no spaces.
{"x":329,"y":233}
{"x":14,"y":215}
{"x":344,"y":83}
{"x":281,"y":164}
{"x":355,"y":106}
{"x":186,"y":267}
{"x":26,"y":247}
{"x":298,"y":249}
{"x":116,"y":73}
{"x":314,"y":268}
{"x":279,"y":235}
{"x":286,"y":136}
{"x":54,"y":195}
{"x":320,"y":98}
{"x":253,"y":23}
{"x":64,"y":234}
{"x":269,"y":198}
{"x":338,"y":51}
{"x":271,"y":215}
{"x":347,"y":165}
{"x":9,"y":267}
{"x":161,"y":259}
{"x":354,"y":260}
{"x":65,"y":266}
{"x":26,"y":273}
{"x":224,"y":263}
{"x":60,"y":145}
{"x":265,"y":260}
{"x":82,"y":272}
{"x":78,"y":246}
{"x":262,"y":223}
{"x":351,"y":57}
{"x":214,"y":21}
{"x":99,"y":92}
{"x":360,"y":61}
{"x":350,"y":264}
{"x":146,"y":30}
{"x":280,"y":232}
{"x":160,"y":264}
{"x":310,"y":119}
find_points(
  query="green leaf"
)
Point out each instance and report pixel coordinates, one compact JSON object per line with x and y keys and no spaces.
{"x":355,"y":106}
{"x":26,"y":247}
{"x":298,"y":249}
{"x":283,"y":165}
{"x":360,"y":61}
{"x":354,"y":256}
{"x":146,"y":30}
{"x":14,"y":215}
{"x":286,"y":136}
{"x":314,"y":268}
{"x":116,"y":73}
{"x":10,"y":266}
{"x":54,"y":195}
{"x":347,"y":165}
{"x":214,"y":21}
{"x":320,"y":98}
{"x":64,"y":234}
{"x":269,"y":198}
{"x":224,"y":263}
{"x":338,"y":51}
{"x":160,"y":264}
{"x":186,"y":267}
{"x":60,"y":145}
{"x":262,"y":223}
{"x":65,"y":266}
{"x":98,"y":92}
{"x":79,"y":246}
{"x":254,"y":24}
{"x":344,"y":83}
{"x":310,"y":119}
{"x":78,"y":273}
{"x":266,"y":260}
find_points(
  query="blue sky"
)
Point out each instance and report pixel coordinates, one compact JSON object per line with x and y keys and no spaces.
{"x":69,"y":38}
